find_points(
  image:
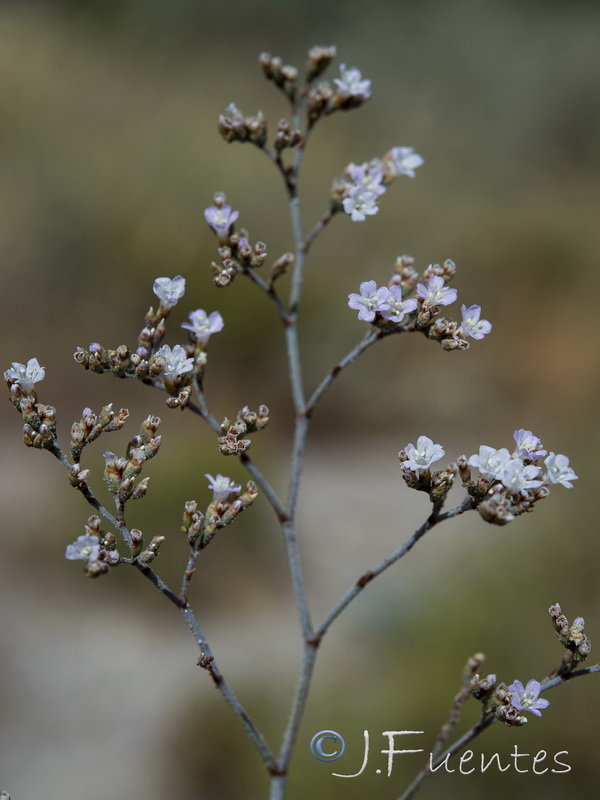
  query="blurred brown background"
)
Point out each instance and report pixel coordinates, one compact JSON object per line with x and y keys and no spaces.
{"x":108,"y":155}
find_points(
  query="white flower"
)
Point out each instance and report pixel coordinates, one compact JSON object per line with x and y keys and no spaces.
{"x":169,"y":290}
{"x":559,"y":471}
{"x":177,"y":362}
{"x":404,"y":160}
{"x":202,"y":325}
{"x":472,"y":325}
{"x":360,"y":203}
{"x":25,"y":375}
{"x":490,"y":462}
{"x":436,"y":293}
{"x":222,"y":486}
{"x":528,"y":445}
{"x":398,"y":307}
{"x":352,"y":83}
{"x":370,"y":300}
{"x":516,"y":476}
{"x":423,"y":455}
{"x":84,"y":548}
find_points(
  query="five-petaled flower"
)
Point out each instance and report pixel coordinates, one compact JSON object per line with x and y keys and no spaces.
{"x":84,"y":548}
{"x":559,"y":471}
{"x":177,"y":361}
{"x":367,"y":176}
{"x":516,"y":476}
{"x":169,"y":290}
{"x":220,"y":218}
{"x":472,"y":325}
{"x":423,"y":455}
{"x":203,"y":325}
{"x":404,"y":160}
{"x":26,"y":375}
{"x":222,"y":486}
{"x":360,"y":203}
{"x":435,"y":293}
{"x":528,"y":445}
{"x":370,"y":300}
{"x":526,"y":698}
{"x":352,"y":83}
{"x":399,"y":308}
{"x":490,"y":461}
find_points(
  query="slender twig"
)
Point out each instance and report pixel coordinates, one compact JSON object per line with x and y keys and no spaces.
{"x":188,"y":574}
{"x":123,"y":529}
{"x":154,"y":579}
{"x":460,"y":699}
{"x":261,"y":481}
{"x":208,"y":662}
{"x":319,"y":227}
{"x":202,"y":410}
{"x":269,"y":291}
{"x":484,"y":722}
{"x":367,"y":577}
{"x":104,"y":512}
{"x":370,"y":337}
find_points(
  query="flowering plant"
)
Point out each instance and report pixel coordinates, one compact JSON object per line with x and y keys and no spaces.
{"x":408,"y":301}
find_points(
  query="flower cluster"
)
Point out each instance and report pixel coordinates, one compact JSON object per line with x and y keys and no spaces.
{"x":388,"y":306}
{"x":96,"y":547}
{"x":361,"y":185}
{"x":236,"y":252}
{"x":520,"y":470}
{"x":510,"y":483}
{"x":572,"y":637}
{"x":228,"y":501}
{"x":25,"y":376}
{"x":506,"y":702}
{"x":509,"y":702}
{"x":246,"y":421}
{"x":172,"y":368}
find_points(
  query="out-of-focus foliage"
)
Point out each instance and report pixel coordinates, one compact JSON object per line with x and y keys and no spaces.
{"x":108,"y":155}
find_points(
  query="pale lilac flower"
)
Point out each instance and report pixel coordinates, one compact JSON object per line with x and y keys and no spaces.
{"x":404,"y":160}
{"x":516,"y":476}
{"x":528,"y":445}
{"x":423,"y":455}
{"x":559,"y":471}
{"x":472,"y":325}
{"x":370,"y":300}
{"x":222,"y":487}
{"x":435,"y":293}
{"x":25,"y":375}
{"x":169,"y":290}
{"x":360,"y":204}
{"x":220,"y":218}
{"x":177,"y":362}
{"x":84,"y":548}
{"x":203,"y":325}
{"x":526,"y":698}
{"x":490,"y":461}
{"x":367,"y":176}
{"x":352,"y":83}
{"x":398,"y":307}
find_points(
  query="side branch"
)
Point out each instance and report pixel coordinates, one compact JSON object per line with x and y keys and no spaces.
{"x":207,"y":661}
{"x":433,"y":520}
{"x":372,"y":336}
{"x":484,"y":722}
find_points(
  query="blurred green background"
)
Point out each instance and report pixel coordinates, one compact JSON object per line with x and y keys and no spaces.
{"x":108,"y":155}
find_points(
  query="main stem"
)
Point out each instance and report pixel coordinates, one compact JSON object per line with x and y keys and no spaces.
{"x":279,"y":781}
